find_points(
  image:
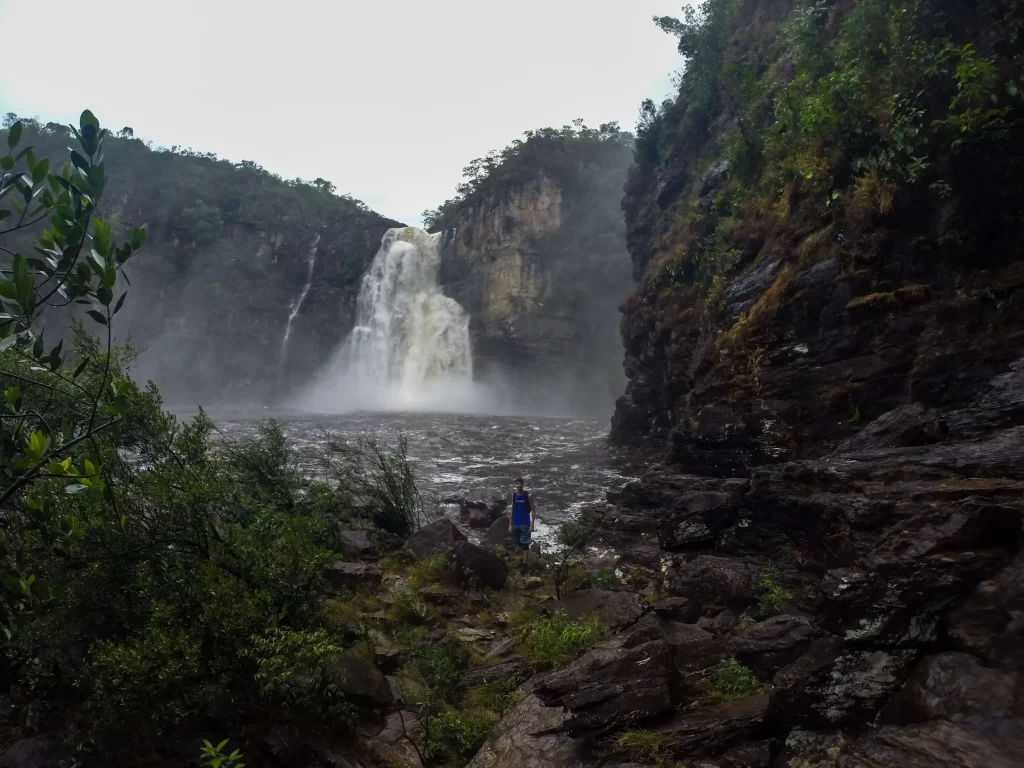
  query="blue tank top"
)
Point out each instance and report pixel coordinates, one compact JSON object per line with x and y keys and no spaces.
{"x":520,"y":509}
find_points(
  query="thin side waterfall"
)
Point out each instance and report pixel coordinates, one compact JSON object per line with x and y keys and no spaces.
{"x":297,"y":305}
{"x":410,"y":347}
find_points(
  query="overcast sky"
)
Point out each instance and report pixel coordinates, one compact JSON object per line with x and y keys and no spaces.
{"x":389,"y":99}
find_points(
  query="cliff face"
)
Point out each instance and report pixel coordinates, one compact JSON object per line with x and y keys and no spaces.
{"x":824,"y":351}
{"x":539,"y":262}
{"x":226,"y":262}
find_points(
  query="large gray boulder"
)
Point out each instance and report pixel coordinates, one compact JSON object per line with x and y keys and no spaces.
{"x":529,"y":736}
{"x":359,"y":681}
{"x":489,"y":503}
{"x":611,"y":685}
{"x":617,"y":610}
{"x":939,"y":744}
{"x":437,"y":538}
{"x":498,"y":535}
{"x":342,"y":576}
{"x":482,"y":564}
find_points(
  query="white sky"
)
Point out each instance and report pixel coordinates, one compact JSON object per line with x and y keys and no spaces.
{"x":389,"y":99}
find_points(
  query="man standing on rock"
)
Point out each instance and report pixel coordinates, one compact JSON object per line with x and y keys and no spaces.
{"x":520,"y":524}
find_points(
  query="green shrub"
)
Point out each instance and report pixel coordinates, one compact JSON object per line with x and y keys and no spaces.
{"x":730,"y":680}
{"x":432,"y":569}
{"x":498,"y":696}
{"x":773,"y":594}
{"x":642,"y":745}
{"x":456,"y":734}
{"x":552,"y":641}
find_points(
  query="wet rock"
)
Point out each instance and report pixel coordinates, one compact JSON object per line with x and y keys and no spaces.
{"x":534,"y":582}
{"x":679,"y":608}
{"x":356,"y":542}
{"x":716,"y":583}
{"x":611,"y":685}
{"x":811,"y":749}
{"x":492,"y":501}
{"x":646,"y":557}
{"x":391,"y":745}
{"x":951,"y":686}
{"x":479,"y":563}
{"x":529,"y":736}
{"x":436,"y":594}
{"x":437,"y":538}
{"x":830,"y":685}
{"x":991,"y":623}
{"x":616,"y":610}
{"x":754,"y":754}
{"x":360,"y":681}
{"x":774,"y":643}
{"x":938,"y":744}
{"x":47,"y":750}
{"x":492,"y":672}
{"x":709,"y":729}
{"x":694,"y":648}
{"x":350,"y":576}
{"x":481,"y":518}
{"x":498,"y":535}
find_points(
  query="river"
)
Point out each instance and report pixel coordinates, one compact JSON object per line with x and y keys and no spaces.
{"x":566,"y":463}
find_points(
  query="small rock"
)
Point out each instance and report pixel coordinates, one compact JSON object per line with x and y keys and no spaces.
{"x":437,"y":538}
{"x":473,"y":635}
{"x":360,"y":681}
{"x":435,"y":594}
{"x":356,"y":542}
{"x":534,"y":582}
{"x":349,"y":576}
{"x":47,"y":750}
{"x":679,"y":608}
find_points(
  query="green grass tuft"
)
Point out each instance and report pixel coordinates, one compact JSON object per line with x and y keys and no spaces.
{"x":552,"y":641}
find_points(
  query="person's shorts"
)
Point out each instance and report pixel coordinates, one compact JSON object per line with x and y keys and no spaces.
{"x":521,"y":536}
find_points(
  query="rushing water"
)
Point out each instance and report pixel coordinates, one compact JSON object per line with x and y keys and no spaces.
{"x":566,"y":463}
{"x":310,"y":264}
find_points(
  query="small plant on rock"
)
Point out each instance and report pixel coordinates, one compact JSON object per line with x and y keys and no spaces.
{"x":730,"y":680}
{"x":213,"y":756}
{"x":642,"y":746}
{"x":552,"y":641}
{"x":498,"y":696}
{"x":773,"y":594}
{"x":432,"y":569}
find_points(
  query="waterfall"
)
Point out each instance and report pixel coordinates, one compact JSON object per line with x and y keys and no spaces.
{"x":410,"y":346}
{"x":297,"y":305}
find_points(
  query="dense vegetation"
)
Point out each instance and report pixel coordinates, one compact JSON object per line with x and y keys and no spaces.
{"x":559,"y":154}
{"x":229,"y":255}
{"x":857,"y":115}
{"x":146,"y":574}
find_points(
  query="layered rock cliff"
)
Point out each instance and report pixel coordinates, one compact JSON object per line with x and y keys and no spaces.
{"x":824,"y":354}
{"x":536,"y":255}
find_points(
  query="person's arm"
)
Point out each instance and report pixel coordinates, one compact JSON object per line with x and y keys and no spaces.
{"x":533,"y":513}
{"x":511,"y":512}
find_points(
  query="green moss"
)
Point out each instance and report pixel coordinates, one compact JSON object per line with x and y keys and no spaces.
{"x":908,"y":295}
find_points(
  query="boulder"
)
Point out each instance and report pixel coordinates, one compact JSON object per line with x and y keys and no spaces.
{"x":488,"y":503}
{"x":437,"y":538}
{"x":951,"y":685}
{"x":751,"y":754}
{"x":709,"y":729}
{"x":830,"y":685}
{"x":47,"y":750}
{"x":804,"y":748}
{"x":939,"y":744}
{"x":716,"y":583}
{"x":774,"y":643}
{"x":498,"y":534}
{"x":356,"y":542}
{"x":616,"y":610}
{"x":481,"y":518}
{"x":991,"y":623}
{"x":391,"y":746}
{"x":492,"y":672}
{"x":679,"y":608}
{"x":611,"y":685}
{"x":482,"y":564}
{"x":349,"y":576}
{"x":529,"y":736}
{"x":694,"y":648}
{"x":360,"y":681}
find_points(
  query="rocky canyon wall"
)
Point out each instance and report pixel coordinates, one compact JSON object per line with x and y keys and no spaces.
{"x":539,"y":261}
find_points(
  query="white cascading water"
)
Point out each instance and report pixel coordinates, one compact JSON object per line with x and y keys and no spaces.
{"x":297,"y":305}
{"x":410,"y":347}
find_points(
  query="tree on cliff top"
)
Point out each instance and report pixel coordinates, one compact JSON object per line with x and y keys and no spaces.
{"x":557,"y":153}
